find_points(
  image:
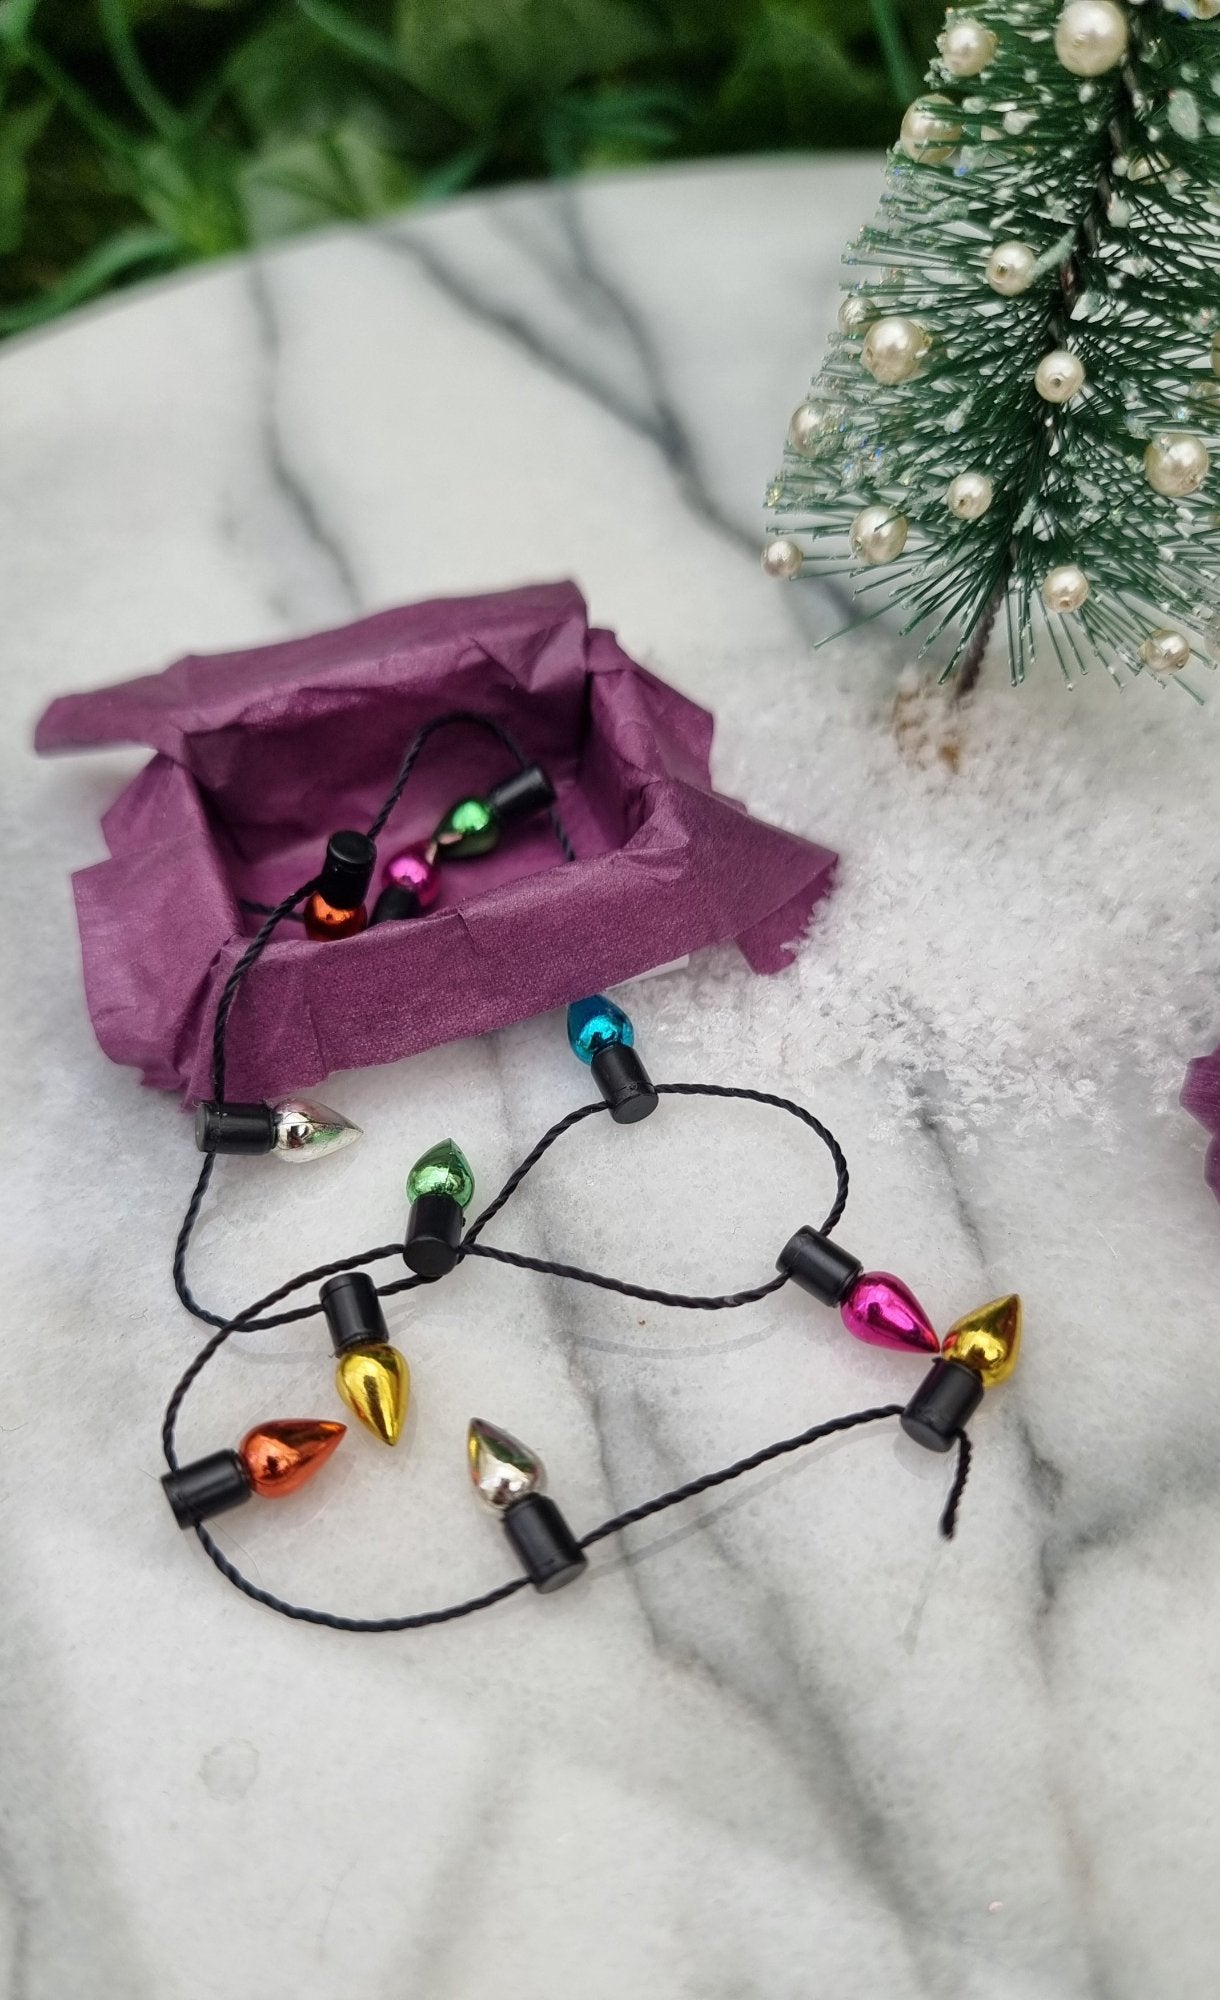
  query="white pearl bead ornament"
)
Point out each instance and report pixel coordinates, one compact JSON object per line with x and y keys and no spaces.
{"x":1091,"y":37}
{"x":966,"y":47}
{"x":854,"y":312}
{"x":893,"y":349}
{"x":806,"y":429}
{"x":782,"y":558}
{"x":1010,"y":268}
{"x":1065,"y":588}
{"x":1176,"y":464}
{"x":969,"y":496}
{"x":926,"y":135}
{"x":1165,"y":652}
{"x":1059,"y":376}
{"x":878,"y":534}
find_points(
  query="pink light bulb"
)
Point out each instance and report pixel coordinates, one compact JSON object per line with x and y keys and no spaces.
{"x":414,"y":869}
{"x":882,"y":1311}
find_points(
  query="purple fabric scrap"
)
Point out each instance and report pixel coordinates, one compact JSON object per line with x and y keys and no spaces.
{"x":261,"y":754}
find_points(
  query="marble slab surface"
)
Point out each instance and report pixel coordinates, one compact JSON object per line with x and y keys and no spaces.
{"x":782,"y":1745}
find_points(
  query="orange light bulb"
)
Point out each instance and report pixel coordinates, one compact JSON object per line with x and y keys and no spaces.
{"x":281,"y":1455}
{"x":323,"y":920}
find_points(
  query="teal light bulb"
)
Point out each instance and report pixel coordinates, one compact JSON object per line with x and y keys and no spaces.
{"x":596,"y":1024}
{"x":443,"y":1169}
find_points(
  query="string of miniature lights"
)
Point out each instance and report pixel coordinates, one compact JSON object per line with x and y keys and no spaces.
{"x":372,"y":1376}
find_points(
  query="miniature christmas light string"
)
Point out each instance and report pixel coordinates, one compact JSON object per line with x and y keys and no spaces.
{"x":276,"y":1457}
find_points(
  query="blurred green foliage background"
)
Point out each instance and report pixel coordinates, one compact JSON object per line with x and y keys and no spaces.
{"x":140,"y":135}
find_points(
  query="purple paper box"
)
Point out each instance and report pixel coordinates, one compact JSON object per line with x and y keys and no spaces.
{"x":1201,"y":1097}
{"x":261,"y":754}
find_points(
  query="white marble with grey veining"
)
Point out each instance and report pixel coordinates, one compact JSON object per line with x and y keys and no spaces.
{"x":782,"y":1746}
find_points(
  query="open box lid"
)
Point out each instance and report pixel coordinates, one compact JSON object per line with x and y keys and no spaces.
{"x":260,"y":754}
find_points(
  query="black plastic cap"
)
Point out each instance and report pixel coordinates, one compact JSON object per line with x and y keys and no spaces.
{"x":942,"y":1405}
{"x":434,"y":1235}
{"x":624,"y":1083}
{"x":394,"y":905}
{"x":209,"y":1486}
{"x":353,"y":1311}
{"x":347,"y":870}
{"x":818,"y":1265}
{"x":234,"y":1128}
{"x":521,"y":796}
{"x":549,"y":1552}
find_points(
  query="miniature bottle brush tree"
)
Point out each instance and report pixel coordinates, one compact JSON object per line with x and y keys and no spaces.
{"x":1018,"y":412}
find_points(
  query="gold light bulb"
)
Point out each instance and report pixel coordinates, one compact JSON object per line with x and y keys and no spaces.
{"x":987,"y":1340}
{"x":375,"y":1383}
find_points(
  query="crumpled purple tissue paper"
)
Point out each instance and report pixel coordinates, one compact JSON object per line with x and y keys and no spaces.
{"x":1201,"y":1097}
{"x":261,"y":754}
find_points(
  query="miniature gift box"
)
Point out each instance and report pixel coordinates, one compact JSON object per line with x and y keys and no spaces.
{"x":261,"y":754}
{"x":1201,"y":1097}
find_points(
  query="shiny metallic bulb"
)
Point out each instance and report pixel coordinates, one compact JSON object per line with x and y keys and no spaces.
{"x":306,"y":1130}
{"x":502,"y":1469}
{"x":987,"y":1340}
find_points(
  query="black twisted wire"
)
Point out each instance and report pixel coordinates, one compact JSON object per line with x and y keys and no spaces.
{"x":965,"y":1454}
{"x":412,"y":1621}
{"x":249,"y":1322}
{"x":228,"y":992}
{"x":257,"y":1317}
{"x":416,"y":1620}
{"x":718,"y":1302}
{"x":277,"y":913}
{"x":457,"y":715}
{"x":548,"y":1267}
{"x":501,"y":735}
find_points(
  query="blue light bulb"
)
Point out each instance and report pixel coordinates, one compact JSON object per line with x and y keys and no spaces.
{"x":596,"y":1023}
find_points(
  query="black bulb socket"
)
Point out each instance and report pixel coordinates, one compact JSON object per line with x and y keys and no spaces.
{"x":545,"y":1546}
{"x":521,"y":796}
{"x":624,"y":1083}
{"x":434,"y":1235}
{"x":394,"y":905}
{"x":943,"y":1405}
{"x":210,"y":1486}
{"x":353,"y":1311}
{"x":347,"y":870}
{"x":234,"y":1128}
{"x":819,"y":1265}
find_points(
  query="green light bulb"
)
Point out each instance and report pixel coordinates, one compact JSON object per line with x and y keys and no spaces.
{"x":443,"y":1169}
{"x":470,"y":828}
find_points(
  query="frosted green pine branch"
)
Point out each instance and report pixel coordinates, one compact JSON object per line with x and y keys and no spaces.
{"x":1112,"y":181}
